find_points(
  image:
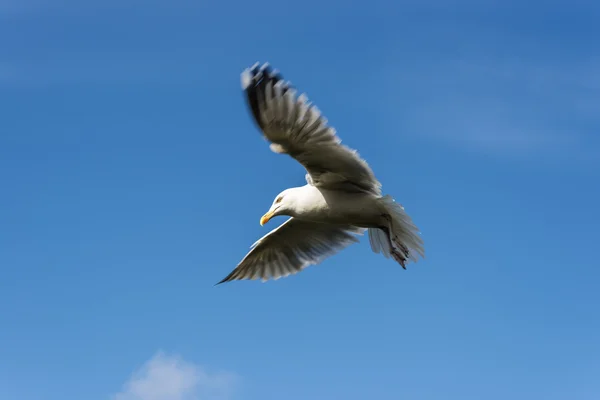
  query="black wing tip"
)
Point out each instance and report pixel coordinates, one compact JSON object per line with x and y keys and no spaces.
{"x":228,"y":278}
{"x":257,"y":74}
{"x":255,"y":82}
{"x":249,"y":75}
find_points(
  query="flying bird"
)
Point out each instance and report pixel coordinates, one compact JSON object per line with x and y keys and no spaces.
{"x":341,"y":199}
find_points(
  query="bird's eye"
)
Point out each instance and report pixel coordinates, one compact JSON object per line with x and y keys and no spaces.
{"x":278,"y":200}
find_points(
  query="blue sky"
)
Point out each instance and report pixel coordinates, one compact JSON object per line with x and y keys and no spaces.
{"x":133,"y":180}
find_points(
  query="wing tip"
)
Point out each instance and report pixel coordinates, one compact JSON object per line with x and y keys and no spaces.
{"x":222,"y":281}
{"x":248,"y":74}
{"x":252,"y":76}
{"x":228,"y":278}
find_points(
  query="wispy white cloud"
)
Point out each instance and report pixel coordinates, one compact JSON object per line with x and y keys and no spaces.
{"x":505,"y":106}
{"x":169,"y":377}
{"x":20,"y":8}
{"x":156,"y":68}
{"x":6,"y":72}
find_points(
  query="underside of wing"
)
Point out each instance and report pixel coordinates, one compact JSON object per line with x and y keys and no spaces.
{"x":296,"y":127}
{"x":291,"y":247}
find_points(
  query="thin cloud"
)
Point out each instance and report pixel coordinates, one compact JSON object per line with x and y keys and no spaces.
{"x":7,"y":72}
{"x":23,"y":8}
{"x":169,"y":377}
{"x":158,"y":68}
{"x":504,"y":107}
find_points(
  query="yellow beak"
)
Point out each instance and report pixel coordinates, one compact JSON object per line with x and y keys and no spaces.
{"x":265,"y":218}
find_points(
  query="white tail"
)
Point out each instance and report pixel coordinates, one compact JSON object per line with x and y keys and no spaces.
{"x":403,"y":242}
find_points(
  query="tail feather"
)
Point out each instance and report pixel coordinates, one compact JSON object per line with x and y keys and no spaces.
{"x":403,"y":242}
{"x":379,"y":242}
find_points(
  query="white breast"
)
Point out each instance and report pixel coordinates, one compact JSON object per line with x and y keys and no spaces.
{"x":331,"y":206}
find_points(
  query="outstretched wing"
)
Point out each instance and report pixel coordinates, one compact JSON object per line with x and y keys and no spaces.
{"x":296,"y":127}
{"x":291,"y":247}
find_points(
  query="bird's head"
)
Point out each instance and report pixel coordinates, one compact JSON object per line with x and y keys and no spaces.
{"x":281,"y":206}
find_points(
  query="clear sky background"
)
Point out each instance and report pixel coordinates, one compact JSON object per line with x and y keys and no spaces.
{"x":132,"y":179}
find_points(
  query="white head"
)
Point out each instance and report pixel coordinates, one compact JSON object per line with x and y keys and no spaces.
{"x":282,"y":205}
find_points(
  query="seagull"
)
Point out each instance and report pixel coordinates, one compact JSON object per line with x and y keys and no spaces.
{"x":340,"y":201}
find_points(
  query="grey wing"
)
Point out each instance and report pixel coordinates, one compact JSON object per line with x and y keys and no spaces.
{"x":291,"y":247}
{"x":296,"y":127}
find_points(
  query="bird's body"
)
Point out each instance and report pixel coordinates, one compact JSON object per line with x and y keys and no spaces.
{"x":334,"y":207}
{"x":342,"y":197}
